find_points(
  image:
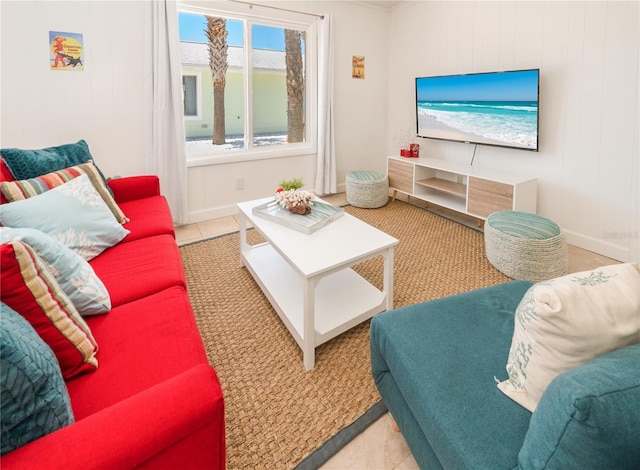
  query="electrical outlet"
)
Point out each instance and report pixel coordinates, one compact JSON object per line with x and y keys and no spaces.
{"x":240,"y":183}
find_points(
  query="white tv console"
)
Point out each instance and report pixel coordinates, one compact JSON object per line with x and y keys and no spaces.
{"x":459,"y":187}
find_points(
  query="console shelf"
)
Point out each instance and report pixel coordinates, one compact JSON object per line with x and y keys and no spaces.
{"x":457,"y":189}
{"x":462,"y":188}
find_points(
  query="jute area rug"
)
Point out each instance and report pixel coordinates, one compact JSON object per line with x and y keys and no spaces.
{"x":276,"y":412}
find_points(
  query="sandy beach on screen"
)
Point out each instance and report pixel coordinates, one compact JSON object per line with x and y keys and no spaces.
{"x":438,"y":130}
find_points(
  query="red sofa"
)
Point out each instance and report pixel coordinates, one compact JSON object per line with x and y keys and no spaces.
{"x":154,"y":401}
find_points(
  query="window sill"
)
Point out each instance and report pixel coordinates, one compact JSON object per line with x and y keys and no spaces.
{"x":216,"y":159}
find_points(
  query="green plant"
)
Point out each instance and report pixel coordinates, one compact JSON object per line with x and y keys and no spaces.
{"x":295,"y":183}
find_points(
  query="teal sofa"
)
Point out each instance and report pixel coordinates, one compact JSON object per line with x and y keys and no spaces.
{"x":436,"y":365}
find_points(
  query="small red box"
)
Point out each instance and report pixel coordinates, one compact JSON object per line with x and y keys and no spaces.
{"x":405,"y":152}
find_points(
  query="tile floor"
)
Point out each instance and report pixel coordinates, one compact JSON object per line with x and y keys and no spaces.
{"x":379,"y":446}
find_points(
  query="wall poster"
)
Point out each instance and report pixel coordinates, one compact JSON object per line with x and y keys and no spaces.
{"x":66,"y":51}
{"x":357,"y":67}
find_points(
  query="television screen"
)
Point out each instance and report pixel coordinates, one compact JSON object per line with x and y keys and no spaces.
{"x":496,"y":108}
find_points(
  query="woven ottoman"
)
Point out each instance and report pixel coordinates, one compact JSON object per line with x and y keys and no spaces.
{"x":525,"y":246}
{"x":367,"y":189}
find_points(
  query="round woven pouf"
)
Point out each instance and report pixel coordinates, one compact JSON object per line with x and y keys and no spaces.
{"x":525,"y":246}
{"x":367,"y":189}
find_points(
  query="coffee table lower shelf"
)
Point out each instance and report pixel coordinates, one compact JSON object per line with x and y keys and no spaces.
{"x":342,"y":298}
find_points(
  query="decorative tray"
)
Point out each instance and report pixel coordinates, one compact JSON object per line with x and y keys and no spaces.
{"x":321,"y":214}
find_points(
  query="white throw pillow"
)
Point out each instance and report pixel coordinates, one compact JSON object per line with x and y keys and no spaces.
{"x":75,"y":275}
{"x":564,"y":322}
{"x":72,"y":213}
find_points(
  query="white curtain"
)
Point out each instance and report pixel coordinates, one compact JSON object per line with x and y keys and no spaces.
{"x":326,"y":162}
{"x":164,"y":139}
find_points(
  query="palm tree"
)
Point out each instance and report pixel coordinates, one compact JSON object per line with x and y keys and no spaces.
{"x":217,"y":35}
{"x":295,"y":84}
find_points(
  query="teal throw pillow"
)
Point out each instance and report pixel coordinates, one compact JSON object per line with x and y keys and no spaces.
{"x":72,"y":213}
{"x":588,"y":417}
{"x":25,"y":164}
{"x":74,"y":275}
{"x":33,"y":396}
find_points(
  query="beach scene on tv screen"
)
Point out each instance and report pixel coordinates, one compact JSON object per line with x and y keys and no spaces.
{"x":488,"y":108}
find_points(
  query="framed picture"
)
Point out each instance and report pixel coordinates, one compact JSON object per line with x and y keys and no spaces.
{"x":66,"y":51}
{"x":357,"y":67}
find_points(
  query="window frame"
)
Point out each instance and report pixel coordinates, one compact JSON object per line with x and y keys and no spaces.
{"x":289,"y":21}
{"x":189,"y":72}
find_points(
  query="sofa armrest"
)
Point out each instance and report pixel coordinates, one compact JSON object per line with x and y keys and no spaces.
{"x":588,"y":417}
{"x":134,"y":187}
{"x":134,"y":431}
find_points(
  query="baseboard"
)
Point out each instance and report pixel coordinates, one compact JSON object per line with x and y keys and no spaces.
{"x":212,"y":213}
{"x":597,"y":245}
{"x":224,"y":211}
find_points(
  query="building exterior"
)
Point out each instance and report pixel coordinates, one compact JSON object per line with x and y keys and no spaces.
{"x":269,"y":92}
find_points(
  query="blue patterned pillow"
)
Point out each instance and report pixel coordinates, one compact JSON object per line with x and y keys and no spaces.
{"x":33,"y":396}
{"x":25,"y":164}
{"x":75,"y":276}
{"x":73,"y":213}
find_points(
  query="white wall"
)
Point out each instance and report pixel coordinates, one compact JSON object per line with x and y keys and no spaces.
{"x":587,"y":53}
{"x":103,"y":104}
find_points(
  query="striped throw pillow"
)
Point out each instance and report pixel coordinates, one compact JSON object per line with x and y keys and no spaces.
{"x":23,"y":189}
{"x":30,"y":289}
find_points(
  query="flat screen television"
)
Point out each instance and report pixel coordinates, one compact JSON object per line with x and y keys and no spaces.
{"x":495,"y":108}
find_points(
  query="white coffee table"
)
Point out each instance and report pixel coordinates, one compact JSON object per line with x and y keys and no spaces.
{"x":308,"y":278}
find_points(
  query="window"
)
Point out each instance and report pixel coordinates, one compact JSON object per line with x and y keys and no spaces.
{"x":246,"y":102}
{"x":190,"y":94}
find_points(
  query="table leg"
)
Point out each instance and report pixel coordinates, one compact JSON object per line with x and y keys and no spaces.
{"x":388,"y":277}
{"x":243,"y":235}
{"x":308,"y":324}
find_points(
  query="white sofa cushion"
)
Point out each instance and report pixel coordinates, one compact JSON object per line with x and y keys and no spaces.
{"x":564,"y":322}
